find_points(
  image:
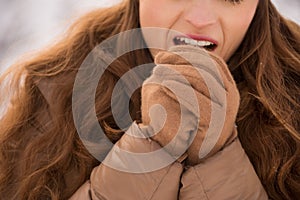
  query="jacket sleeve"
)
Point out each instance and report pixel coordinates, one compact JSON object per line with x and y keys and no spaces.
{"x":116,"y":182}
{"x":226,"y":175}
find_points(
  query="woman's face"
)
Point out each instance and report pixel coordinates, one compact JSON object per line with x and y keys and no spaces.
{"x":217,"y":25}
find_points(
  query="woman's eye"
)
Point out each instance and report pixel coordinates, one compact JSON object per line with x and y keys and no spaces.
{"x":234,"y":1}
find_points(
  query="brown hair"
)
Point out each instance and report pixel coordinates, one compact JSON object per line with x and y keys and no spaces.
{"x":41,"y":155}
{"x":266,"y":67}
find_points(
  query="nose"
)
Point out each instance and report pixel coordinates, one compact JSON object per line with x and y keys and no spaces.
{"x":200,"y":13}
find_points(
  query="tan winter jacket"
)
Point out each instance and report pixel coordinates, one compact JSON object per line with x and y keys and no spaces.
{"x":226,"y":175}
{"x":224,"y":172}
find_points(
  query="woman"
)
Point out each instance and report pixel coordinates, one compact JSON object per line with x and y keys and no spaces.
{"x":42,"y":156}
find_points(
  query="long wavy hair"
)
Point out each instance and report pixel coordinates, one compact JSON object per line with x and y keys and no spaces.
{"x":42,"y":156}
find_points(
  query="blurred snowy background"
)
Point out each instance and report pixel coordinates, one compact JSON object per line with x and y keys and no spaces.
{"x":27,"y":25}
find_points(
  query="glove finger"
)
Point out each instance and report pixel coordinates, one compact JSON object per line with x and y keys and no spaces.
{"x":202,"y":58}
{"x":170,"y":119}
{"x":187,"y":78}
{"x":199,"y":58}
{"x":210,"y":123}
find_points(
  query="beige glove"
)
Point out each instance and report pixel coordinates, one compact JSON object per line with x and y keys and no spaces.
{"x":198,"y":102}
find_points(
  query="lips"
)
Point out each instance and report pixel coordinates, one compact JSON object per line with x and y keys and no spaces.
{"x":201,"y":42}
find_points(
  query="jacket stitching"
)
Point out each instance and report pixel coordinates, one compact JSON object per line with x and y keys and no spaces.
{"x":201,"y":184}
{"x":151,"y":197}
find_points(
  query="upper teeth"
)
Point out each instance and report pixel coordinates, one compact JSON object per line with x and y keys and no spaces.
{"x":201,"y":43}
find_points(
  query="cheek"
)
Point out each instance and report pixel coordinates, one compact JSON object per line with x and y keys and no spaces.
{"x":148,"y":18}
{"x":238,"y":30}
{"x":159,"y":13}
{"x":149,"y":15}
{"x":237,"y":26}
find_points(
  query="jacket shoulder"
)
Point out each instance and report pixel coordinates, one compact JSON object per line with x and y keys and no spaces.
{"x":228,"y":174}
